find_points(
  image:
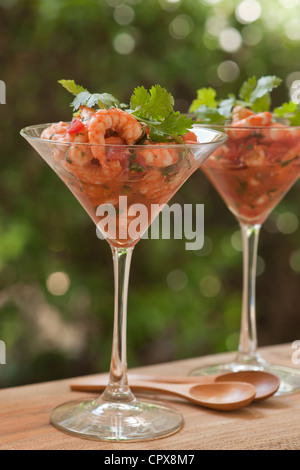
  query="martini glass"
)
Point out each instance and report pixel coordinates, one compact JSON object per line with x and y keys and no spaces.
{"x":112,"y":198}
{"x":252,"y":171}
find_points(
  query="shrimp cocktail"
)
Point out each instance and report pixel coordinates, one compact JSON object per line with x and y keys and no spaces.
{"x":113,"y":158}
{"x":252,"y":171}
{"x":123,"y":163}
{"x":257,"y":165}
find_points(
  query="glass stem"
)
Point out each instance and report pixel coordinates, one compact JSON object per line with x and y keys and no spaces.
{"x":248,"y":339}
{"x":118,"y":388}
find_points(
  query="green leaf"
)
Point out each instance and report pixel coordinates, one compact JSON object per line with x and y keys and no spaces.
{"x":225,"y":106}
{"x":247,"y":88}
{"x":209,"y":115}
{"x":71,"y":86}
{"x":262,"y":104}
{"x":155,"y":109}
{"x":154,"y":104}
{"x":139,"y":98}
{"x":264,"y":85}
{"x":103,"y":100}
{"x":256,"y":93}
{"x":80,"y":100}
{"x":285,"y":108}
{"x":84,"y":98}
{"x":205,"y":97}
{"x":295,"y":118}
{"x":174,"y":125}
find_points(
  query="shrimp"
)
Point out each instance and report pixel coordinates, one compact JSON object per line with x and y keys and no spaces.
{"x":86,"y":114}
{"x":155,"y":185}
{"x":239,"y":113}
{"x":278,"y":132}
{"x":56,"y":131}
{"x":74,"y":154}
{"x":159,"y":157}
{"x":254,"y":157}
{"x":242,"y":128}
{"x":112,"y":120}
{"x":114,"y":140}
{"x":93,"y":173}
{"x":78,"y":155}
{"x":290,"y":155}
{"x":151,"y":184}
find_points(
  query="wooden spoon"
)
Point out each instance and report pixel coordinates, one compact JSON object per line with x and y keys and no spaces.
{"x":214,"y":395}
{"x":266,"y":384}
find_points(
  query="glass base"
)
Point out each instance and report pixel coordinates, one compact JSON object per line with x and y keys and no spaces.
{"x":102,"y":420}
{"x":289,"y":376}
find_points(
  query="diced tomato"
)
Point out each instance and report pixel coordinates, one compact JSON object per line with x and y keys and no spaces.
{"x":75,"y":126}
{"x":232,"y":150}
{"x":275,"y":152}
{"x":189,"y":138}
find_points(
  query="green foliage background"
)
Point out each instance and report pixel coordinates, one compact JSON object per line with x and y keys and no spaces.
{"x":181,"y":303}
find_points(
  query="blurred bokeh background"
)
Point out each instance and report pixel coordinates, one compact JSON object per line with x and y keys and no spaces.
{"x":56,"y":279}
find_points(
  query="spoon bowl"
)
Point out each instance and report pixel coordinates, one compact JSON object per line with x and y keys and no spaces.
{"x":266,"y":384}
{"x":215,"y":395}
{"x":231,"y":396}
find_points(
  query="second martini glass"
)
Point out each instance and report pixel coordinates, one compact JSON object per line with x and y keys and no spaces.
{"x":252,"y":172}
{"x":112,"y":196}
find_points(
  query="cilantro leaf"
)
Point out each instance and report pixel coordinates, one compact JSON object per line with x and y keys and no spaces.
{"x":295,"y":118}
{"x":80,"y":100}
{"x":175,"y":124}
{"x":264,"y":86}
{"x":84,"y":98}
{"x":103,"y":100}
{"x":139,"y":98}
{"x":155,"y":103}
{"x":205,"y":97}
{"x":262,"y":104}
{"x":71,"y":86}
{"x":290,"y":111}
{"x":247,"y":88}
{"x":285,"y":108}
{"x":209,"y":109}
{"x":155,"y":109}
{"x":209,"y":115}
{"x":254,"y":94}
{"x":225,"y":106}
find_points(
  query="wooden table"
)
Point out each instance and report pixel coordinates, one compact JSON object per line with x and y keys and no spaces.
{"x":273,"y":424}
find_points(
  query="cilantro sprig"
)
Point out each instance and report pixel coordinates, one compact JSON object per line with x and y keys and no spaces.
{"x":154,"y":108}
{"x":84,"y":98}
{"x":289,"y":111}
{"x":254,"y":94}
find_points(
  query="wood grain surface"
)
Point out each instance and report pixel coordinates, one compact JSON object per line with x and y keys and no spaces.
{"x":270,"y":425}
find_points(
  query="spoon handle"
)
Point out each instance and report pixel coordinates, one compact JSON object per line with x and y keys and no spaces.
{"x":217,"y":396}
{"x":171,"y":389}
{"x":91,"y":383}
{"x":175,"y":379}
